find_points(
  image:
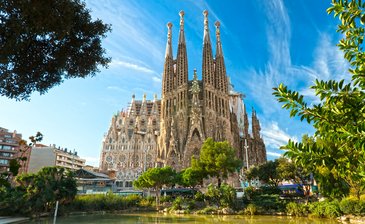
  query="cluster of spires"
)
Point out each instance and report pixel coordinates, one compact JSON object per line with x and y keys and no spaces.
{"x":175,"y":75}
{"x":209,"y":64}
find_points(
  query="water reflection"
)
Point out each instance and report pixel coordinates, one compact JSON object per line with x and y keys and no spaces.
{"x":186,"y":219}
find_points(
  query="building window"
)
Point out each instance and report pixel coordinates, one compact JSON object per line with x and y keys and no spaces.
{"x":119,"y":183}
{"x":6,"y":154}
{"x":6,"y":147}
{"x":128,"y":184}
{"x":4,"y":161}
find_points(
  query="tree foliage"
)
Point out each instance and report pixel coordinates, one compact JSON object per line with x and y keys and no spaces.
{"x":37,"y":193}
{"x":191,"y":177}
{"x":339,"y":119}
{"x":217,"y":159}
{"x":156,"y":178}
{"x":290,"y":171}
{"x":44,"y":42}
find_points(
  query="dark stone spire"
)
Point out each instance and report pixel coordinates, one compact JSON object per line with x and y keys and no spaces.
{"x":182,"y":60}
{"x":220,"y":68}
{"x":208,"y":61}
{"x":169,"y":63}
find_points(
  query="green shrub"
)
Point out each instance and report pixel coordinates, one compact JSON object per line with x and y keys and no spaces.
{"x":325,"y":209}
{"x":249,"y":192}
{"x":199,"y":196}
{"x":177,"y":203}
{"x":208,"y":210}
{"x":227,"y":196}
{"x":296,"y":209}
{"x":167,"y":198}
{"x":189,"y":204}
{"x":213,"y":195}
{"x":362,"y":197}
{"x":269,"y":202}
{"x":105,"y":202}
{"x":251,"y":209}
{"x":351,"y":205}
{"x":147,"y":202}
{"x":224,"y":196}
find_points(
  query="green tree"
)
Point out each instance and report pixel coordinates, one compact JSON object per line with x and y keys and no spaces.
{"x":49,"y":185}
{"x":330,"y":183}
{"x":266,"y":172}
{"x":217,"y":159}
{"x":191,"y":177}
{"x":37,"y":193}
{"x":44,"y":42}
{"x":339,"y":118}
{"x":288,"y":170}
{"x":156,"y":178}
{"x":224,"y":195}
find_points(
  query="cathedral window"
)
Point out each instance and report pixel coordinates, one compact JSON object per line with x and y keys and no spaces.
{"x":109,"y":159}
{"x":119,"y":183}
{"x":131,"y":122}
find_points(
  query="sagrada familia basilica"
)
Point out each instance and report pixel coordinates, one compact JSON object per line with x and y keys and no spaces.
{"x":170,"y":130}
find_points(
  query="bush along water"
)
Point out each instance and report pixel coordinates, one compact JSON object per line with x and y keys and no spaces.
{"x":109,"y":202}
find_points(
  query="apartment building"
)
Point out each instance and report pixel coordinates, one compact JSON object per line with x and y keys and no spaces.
{"x":42,"y":156}
{"x":10,"y":148}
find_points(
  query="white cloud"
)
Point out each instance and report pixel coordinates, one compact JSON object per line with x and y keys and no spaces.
{"x":274,"y":136}
{"x":129,"y":65}
{"x":274,"y":154}
{"x":156,"y":79}
{"x":279,"y":33}
{"x":135,"y":31}
{"x":329,"y":62}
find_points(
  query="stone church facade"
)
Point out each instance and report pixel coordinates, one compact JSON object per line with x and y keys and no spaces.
{"x":130,"y":145}
{"x":189,"y":112}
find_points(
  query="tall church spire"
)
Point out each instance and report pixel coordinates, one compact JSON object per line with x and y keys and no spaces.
{"x":181,"y":34}
{"x":255,"y":125}
{"x":167,"y":84}
{"x":246,"y":125}
{"x":168,"y":52}
{"x":182,"y":60}
{"x":220,"y":68}
{"x":219,"y":51}
{"x":208,"y":62}
{"x":206,"y":38}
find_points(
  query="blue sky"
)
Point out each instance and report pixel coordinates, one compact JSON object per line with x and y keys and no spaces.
{"x":264,"y":43}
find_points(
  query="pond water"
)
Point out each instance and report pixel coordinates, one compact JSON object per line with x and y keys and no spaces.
{"x":182,"y":219}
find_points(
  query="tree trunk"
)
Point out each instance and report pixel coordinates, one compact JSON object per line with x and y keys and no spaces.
{"x":219,"y":182}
